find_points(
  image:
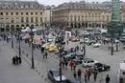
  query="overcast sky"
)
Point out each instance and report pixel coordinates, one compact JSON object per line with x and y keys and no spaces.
{"x":57,"y":2}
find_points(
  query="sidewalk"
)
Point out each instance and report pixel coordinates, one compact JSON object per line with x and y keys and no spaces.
{"x":10,"y":73}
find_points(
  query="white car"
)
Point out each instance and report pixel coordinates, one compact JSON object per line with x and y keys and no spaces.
{"x":87,"y":62}
{"x":97,"y":45}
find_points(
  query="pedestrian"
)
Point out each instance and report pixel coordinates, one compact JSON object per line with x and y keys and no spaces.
{"x":71,"y":50}
{"x":71,"y":64}
{"x":107,"y":79}
{"x":74,"y":65}
{"x":85,"y":76}
{"x":89,"y":74}
{"x":95,"y":75}
{"x":46,"y":55}
{"x":74,"y":74}
{"x":67,"y":42}
{"x":65,"y":62}
{"x":14,"y":60}
{"x":19,"y":60}
{"x":77,"y":48}
{"x":79,"y":73}
{"x":42,"y":49}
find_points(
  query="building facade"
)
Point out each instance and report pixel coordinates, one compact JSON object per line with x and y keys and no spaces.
{"x":84,"y":15}
{"x":17,"y":14}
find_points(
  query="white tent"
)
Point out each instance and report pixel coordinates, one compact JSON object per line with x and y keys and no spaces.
{"x":28,"y":30}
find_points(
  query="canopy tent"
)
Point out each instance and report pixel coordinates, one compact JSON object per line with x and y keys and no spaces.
{"x":28,"y":30}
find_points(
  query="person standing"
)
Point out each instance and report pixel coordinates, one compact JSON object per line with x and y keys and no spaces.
{"x":107,"y":79}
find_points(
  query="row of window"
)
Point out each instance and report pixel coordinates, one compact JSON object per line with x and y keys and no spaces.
{"x":27,"y":20}
{"x":20,"y":13}
{"x":78,"y":18}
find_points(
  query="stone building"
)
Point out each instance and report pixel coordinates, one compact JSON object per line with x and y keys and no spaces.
{"x":83,"y":14}
{"x":14,"y":14}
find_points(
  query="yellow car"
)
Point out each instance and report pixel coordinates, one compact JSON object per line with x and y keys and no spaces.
{"x":52,"y":48}
{"x":46,"y":45}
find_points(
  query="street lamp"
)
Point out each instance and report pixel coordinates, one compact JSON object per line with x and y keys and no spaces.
{"x":12,"y":45}
{"x":32,"y":59}
{"x":60,"y":62}
{"x":19,"y":31}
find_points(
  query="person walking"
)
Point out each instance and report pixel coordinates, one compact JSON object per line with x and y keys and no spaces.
{"x":79,"y":73}
{"x":74,"y":75}
{"x":107,"y":79}
{"x":74,"y":65}
{"x":89,"y":74}
{"x":46,"y":55}
{"x":85,"y":76}
{"x":95,"y":75}
{"x":71,"y":64}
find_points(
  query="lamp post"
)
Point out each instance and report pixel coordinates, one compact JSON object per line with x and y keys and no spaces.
{"x":60,"y":63}
{"x":19,"y":31}
{"x":32,"y":48}
{"x":12,"y":45}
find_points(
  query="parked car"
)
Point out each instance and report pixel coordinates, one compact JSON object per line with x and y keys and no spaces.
{"x":70,"y":56}
{"x":87,"y":62}
{"x":101,"y":67}
{"x":54,"y":76}
{"x":96,"y":45}
{"x":122,"y":39}
{"x":75,"y":39}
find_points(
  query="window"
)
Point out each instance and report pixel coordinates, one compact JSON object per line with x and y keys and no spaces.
{"x":6,"y":13}
{"x":22,"y":19}
{"x":31,"y":13}
{"x":71,"y":18}
{"x":16,"y":13}
{"x":11,"y":13}
{"x":31,"y":19}
{"x":40,"y":13}
{"x":27,"y":20}
{"x":78,"y":18}
{"x":41,"y":20}
{"x":35,"y":13}
{"x":21,"y":13}
{"x":36,"y":19}
{"x":1,"y":13}
{"x":26,"y":13}
{"x":12,"y":21}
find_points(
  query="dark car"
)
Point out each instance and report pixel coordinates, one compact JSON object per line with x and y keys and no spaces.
{"x":101,"y":67}
{"x":54,"y":76}
{"x":60,"y":40}
{"x":70,"y":56}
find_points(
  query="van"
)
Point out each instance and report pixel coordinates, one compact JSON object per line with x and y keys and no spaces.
{"x":121,"y":72}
